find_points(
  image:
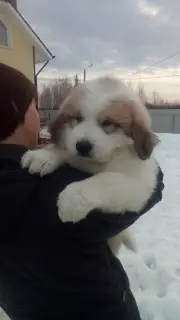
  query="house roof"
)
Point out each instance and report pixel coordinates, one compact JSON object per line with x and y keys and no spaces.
{"x":42,"y":53}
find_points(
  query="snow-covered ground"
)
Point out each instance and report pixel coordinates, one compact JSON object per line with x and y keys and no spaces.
{"x":155,"y":271}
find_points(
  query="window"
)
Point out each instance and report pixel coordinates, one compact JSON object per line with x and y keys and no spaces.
{"x":3,"y":35}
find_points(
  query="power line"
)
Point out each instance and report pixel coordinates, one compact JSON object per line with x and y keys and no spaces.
{"x":128,"y":79}
{"x":156,"y":77}
{"x":56,"y":79}
{"x":66,"y":77}
{"x":154,"y":64}
{"x":60,"y":79}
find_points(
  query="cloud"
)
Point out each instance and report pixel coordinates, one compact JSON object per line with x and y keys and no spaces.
{"x":113,"y":35}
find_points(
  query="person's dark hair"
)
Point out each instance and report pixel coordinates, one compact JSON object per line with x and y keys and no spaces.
{"x":16,"y":94}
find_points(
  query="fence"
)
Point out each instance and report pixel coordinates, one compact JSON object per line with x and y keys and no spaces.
{"x":46,"y":116}
{"x":165,"y":120}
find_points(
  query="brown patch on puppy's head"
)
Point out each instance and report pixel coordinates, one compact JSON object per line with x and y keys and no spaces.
{"x":135,"y":122}
{"x":56,"y":126}
{"x":118,"y":113}
{"x":144,"y":140}
{"x":68,"y":112}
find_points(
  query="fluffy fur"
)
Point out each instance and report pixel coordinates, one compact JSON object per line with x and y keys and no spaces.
{"x":103,"y":128}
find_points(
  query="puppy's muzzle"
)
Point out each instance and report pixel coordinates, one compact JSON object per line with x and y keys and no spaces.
{"x":84,"y":148}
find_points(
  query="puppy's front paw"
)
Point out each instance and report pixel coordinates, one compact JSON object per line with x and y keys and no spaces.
{"x":73,"y":205}
{"x":42,"y":161}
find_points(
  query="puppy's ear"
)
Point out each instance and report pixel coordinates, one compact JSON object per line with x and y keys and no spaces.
{"x":144,"y":141}
{"x":56,"y":126}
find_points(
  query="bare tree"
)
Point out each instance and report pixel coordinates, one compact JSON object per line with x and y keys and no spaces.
{"x":53,"y":95}
{"x":129,"y":84}
{"x":45,"y":99}
{"x":60,"y":89}
{"x":141,"y":92}
{"x":157,"y":100}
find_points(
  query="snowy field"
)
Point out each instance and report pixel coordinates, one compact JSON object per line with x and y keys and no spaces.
{"x":155,"y":271}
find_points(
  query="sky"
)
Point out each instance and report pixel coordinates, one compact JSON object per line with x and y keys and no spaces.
{"x":117,"y":37}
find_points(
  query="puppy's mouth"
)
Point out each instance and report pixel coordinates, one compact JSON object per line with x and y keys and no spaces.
{"x":85,"y":152}
{"x":93,"y":159}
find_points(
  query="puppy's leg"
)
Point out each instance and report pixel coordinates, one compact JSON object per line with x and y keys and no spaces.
{"x":44,"y":161}
{"x":107,"y":191}
{"x":125,"y":238}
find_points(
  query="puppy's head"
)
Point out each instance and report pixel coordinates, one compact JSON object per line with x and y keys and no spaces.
{"x":100,"y":117}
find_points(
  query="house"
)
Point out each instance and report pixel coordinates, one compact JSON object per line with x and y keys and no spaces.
{"x":20,"y":46}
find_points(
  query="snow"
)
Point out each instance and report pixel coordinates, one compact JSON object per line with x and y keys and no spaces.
{"x":154,"y":271}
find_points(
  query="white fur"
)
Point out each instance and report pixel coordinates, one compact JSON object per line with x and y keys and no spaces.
{"x":95,"y":101}
{"x":43,"y":161}
{"x":122,"y":182}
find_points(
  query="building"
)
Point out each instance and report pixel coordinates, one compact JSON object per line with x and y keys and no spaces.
{"x":20,"y":46}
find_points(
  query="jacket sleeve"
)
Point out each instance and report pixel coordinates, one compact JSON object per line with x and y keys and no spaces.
{"x":19,"y":188}
{"x":101,"y":226}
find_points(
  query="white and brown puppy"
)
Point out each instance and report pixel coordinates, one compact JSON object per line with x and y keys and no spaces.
{"x":103,"y":128}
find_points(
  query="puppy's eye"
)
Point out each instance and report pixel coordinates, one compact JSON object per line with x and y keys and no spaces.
{"x":107,"y":123}
{"x":109,"y":126}
{"x":76,"y":120}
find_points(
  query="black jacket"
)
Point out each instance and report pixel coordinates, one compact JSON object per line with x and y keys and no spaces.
{"x":50,"y":270}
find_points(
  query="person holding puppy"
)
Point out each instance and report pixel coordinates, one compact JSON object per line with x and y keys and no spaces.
{"x":48,"y":269}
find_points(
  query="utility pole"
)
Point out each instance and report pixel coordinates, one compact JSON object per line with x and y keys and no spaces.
{"x":91,"y":65}
{"x":76,"y":80}
{"x":84,"y":75}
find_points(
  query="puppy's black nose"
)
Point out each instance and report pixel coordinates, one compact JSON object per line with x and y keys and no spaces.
{"x":84,"y":147}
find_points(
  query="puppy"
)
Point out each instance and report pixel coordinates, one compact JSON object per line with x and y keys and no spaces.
{"x":103,"y":128}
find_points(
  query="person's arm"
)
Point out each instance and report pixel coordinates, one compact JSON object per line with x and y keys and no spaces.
{"x":17,"y":192}
{"x":100,"y":226}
